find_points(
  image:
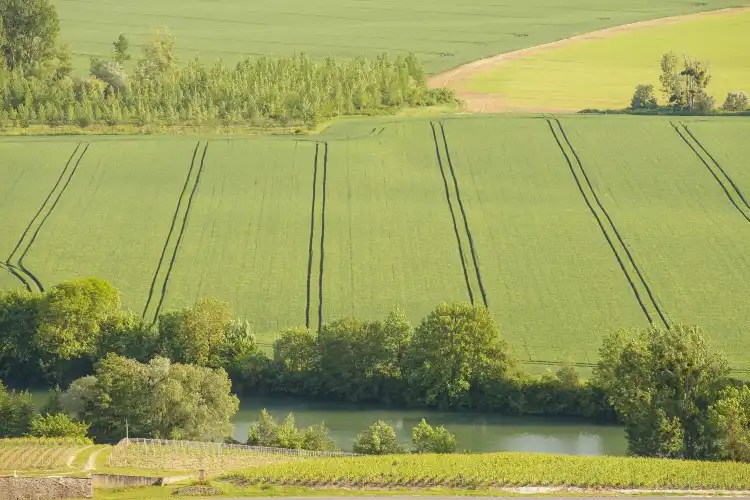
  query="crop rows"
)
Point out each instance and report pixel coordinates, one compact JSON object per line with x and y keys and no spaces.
{"x":505,"y":469}
{"x":25,"y":454}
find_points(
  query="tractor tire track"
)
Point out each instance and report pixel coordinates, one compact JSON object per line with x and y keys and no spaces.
{"x":322,"y":237}
{"x":312,"y":235}
{"x":8,"y":264}
{"x":453,"y":213}
{"x":17,"y":276}
{"x":718,"y":165}
{"x":44,"y":219}
{"x":180,"y":236}
{"x":601,"y":224}
{"x":171,"y":230}
{"x":474,"y":257}
{"x":630,"y":257}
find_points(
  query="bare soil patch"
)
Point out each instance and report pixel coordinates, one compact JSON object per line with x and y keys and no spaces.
{"x":478,"y":102}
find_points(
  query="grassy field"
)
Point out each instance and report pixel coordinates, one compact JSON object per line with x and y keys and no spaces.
{"x":443,"y":34}
{"x":602,"y":73}
{"x":504,"y":469}
{"x":409,"y":212}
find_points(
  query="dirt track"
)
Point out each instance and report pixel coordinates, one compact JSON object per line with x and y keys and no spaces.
{"x":477,"y":102}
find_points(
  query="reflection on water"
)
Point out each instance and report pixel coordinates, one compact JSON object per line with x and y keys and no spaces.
{"x":475,"y":432}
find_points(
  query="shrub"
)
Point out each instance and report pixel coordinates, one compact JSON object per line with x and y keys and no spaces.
{"x":57,"y":425}
{"x":704,"y":104}
{"x":428,"y":439}
{"x":735,"y":101}
{"x":378,"y":439}
{"x":267,"y":432}
{"x":643,"y":97}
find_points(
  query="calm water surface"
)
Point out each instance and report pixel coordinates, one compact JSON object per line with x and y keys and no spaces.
{"x":474,"y":431}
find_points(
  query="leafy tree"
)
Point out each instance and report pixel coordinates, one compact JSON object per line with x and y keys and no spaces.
{"x":159,"y":58}
{"x":295,"y":350}
{"x":16,"y":412}
{"x":197,"y":334}
{"x":735,"y":101}
{"x":19,"y":354}
{"x":267,"y":432}
{"x":54,"y":403}
{"x":697,"y":78}
{"x":428,"y":439}
{"x":110,"y":72}
{"x":71,"y":315}
{"x":729,"y":420}
{"x":672,"y":83}
{"x":57,"y":425}
{"x":643,"y":97}
{"x":160,"y":400}
{"x":662,"y":383}
{"x":454,"y":352}
{"x":121,"y":46}
{"x":378,"y":439}
{"x":29,"y":33}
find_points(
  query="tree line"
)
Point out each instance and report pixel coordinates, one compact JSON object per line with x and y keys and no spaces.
{"x":684,"y":89}
{"x":670,"y":389}
{"x":38,"y":85}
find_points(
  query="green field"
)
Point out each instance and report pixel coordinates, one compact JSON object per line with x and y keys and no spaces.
{"x":635,"y":228}
{"x":443,"y":34}
{"x":602,"y":73}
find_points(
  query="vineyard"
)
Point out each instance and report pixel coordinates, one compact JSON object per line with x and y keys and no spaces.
{"x":39,"y":453}
{"x":156,"y":454}
{"x":503,"y":469}
{"x":566,"y":229}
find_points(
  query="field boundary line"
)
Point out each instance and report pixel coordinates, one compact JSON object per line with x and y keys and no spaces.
{"x":718,"y":165}
{"x":614,"y":228}
{"x":601,"y":224}
{"x":171,"y":230}
{"x":474,"y":256}
{"x":453,"y":214}
{"x":322,"y":237}
{"x":9,"y":266}
{"x":181,"y":234}
{"x":310,"y":250}
{"x":46,"y":216}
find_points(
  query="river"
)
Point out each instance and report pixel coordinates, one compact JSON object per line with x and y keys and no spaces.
{"x":474,"y":431}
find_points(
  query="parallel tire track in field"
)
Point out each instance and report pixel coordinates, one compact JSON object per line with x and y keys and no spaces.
{"x":322,"y":237}
{"x":600,"y":223}
{"x":453,"y":213}
{"x":312,"y":235}
{"x":474,"y":257}
{"x":46,"y":216}
{"x":629,"y":254}
{"x":171,"y":230}
{"x":180,"y":236}
{"x":8,"y":264}
{"x":717,"y":176}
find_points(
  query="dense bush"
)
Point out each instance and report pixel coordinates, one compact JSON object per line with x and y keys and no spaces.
{"x":16,"y":412}
{"x":378,"y":439}
{"x":57,"y":425}
{"x":428,"y":439}
{"x":735,"y":101}
{"x":643,"y":97}
{"x":267,"y":432}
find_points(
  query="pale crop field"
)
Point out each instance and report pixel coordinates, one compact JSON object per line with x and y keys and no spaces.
{"x":602,"y":73}
{"x":442,"y":33}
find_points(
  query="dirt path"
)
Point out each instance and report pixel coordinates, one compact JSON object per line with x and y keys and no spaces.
{"x":478,"y":102}
{"x":72,"y":456}
{"x":91,"y":462}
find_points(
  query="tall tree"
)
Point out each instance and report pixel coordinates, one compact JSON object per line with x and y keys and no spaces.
{"x":121,"y":46}
{"x":30,"y":32}
{"x":662,"y":384}
{"x":697,"y":78}
{"x":455,"y":351}
{"x":672,"y":84}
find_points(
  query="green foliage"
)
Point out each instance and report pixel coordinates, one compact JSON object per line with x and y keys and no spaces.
{"x":378,"y":439}
{"x":428,"y":439}
{"x":672,"y":85}
{"x":121,"y":46}
{"x":735,"y":101}
{"x":57,"y":425}
{"x":643,"y":97}
{"x":729,"y":421}
{"x":662,"y":383}
{"x":29,"y":33}
{"x":455,"y":351}
{"x":71,"y":315}
{"x":697,"y":78}
{"x":54,"y":403}
{"x":267,"y":432}
{"x":161,"y":400}
{"x":16,"y":412}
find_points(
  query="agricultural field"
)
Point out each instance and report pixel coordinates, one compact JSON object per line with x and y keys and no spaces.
{"x":602,"y":71}
{"x":40,"y":454}
{"x":567,"y":229}
{"x":443,"y":34}
{"x":502,"y":470}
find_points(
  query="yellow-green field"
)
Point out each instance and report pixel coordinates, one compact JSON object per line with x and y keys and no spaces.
{"x":602,"y":73}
